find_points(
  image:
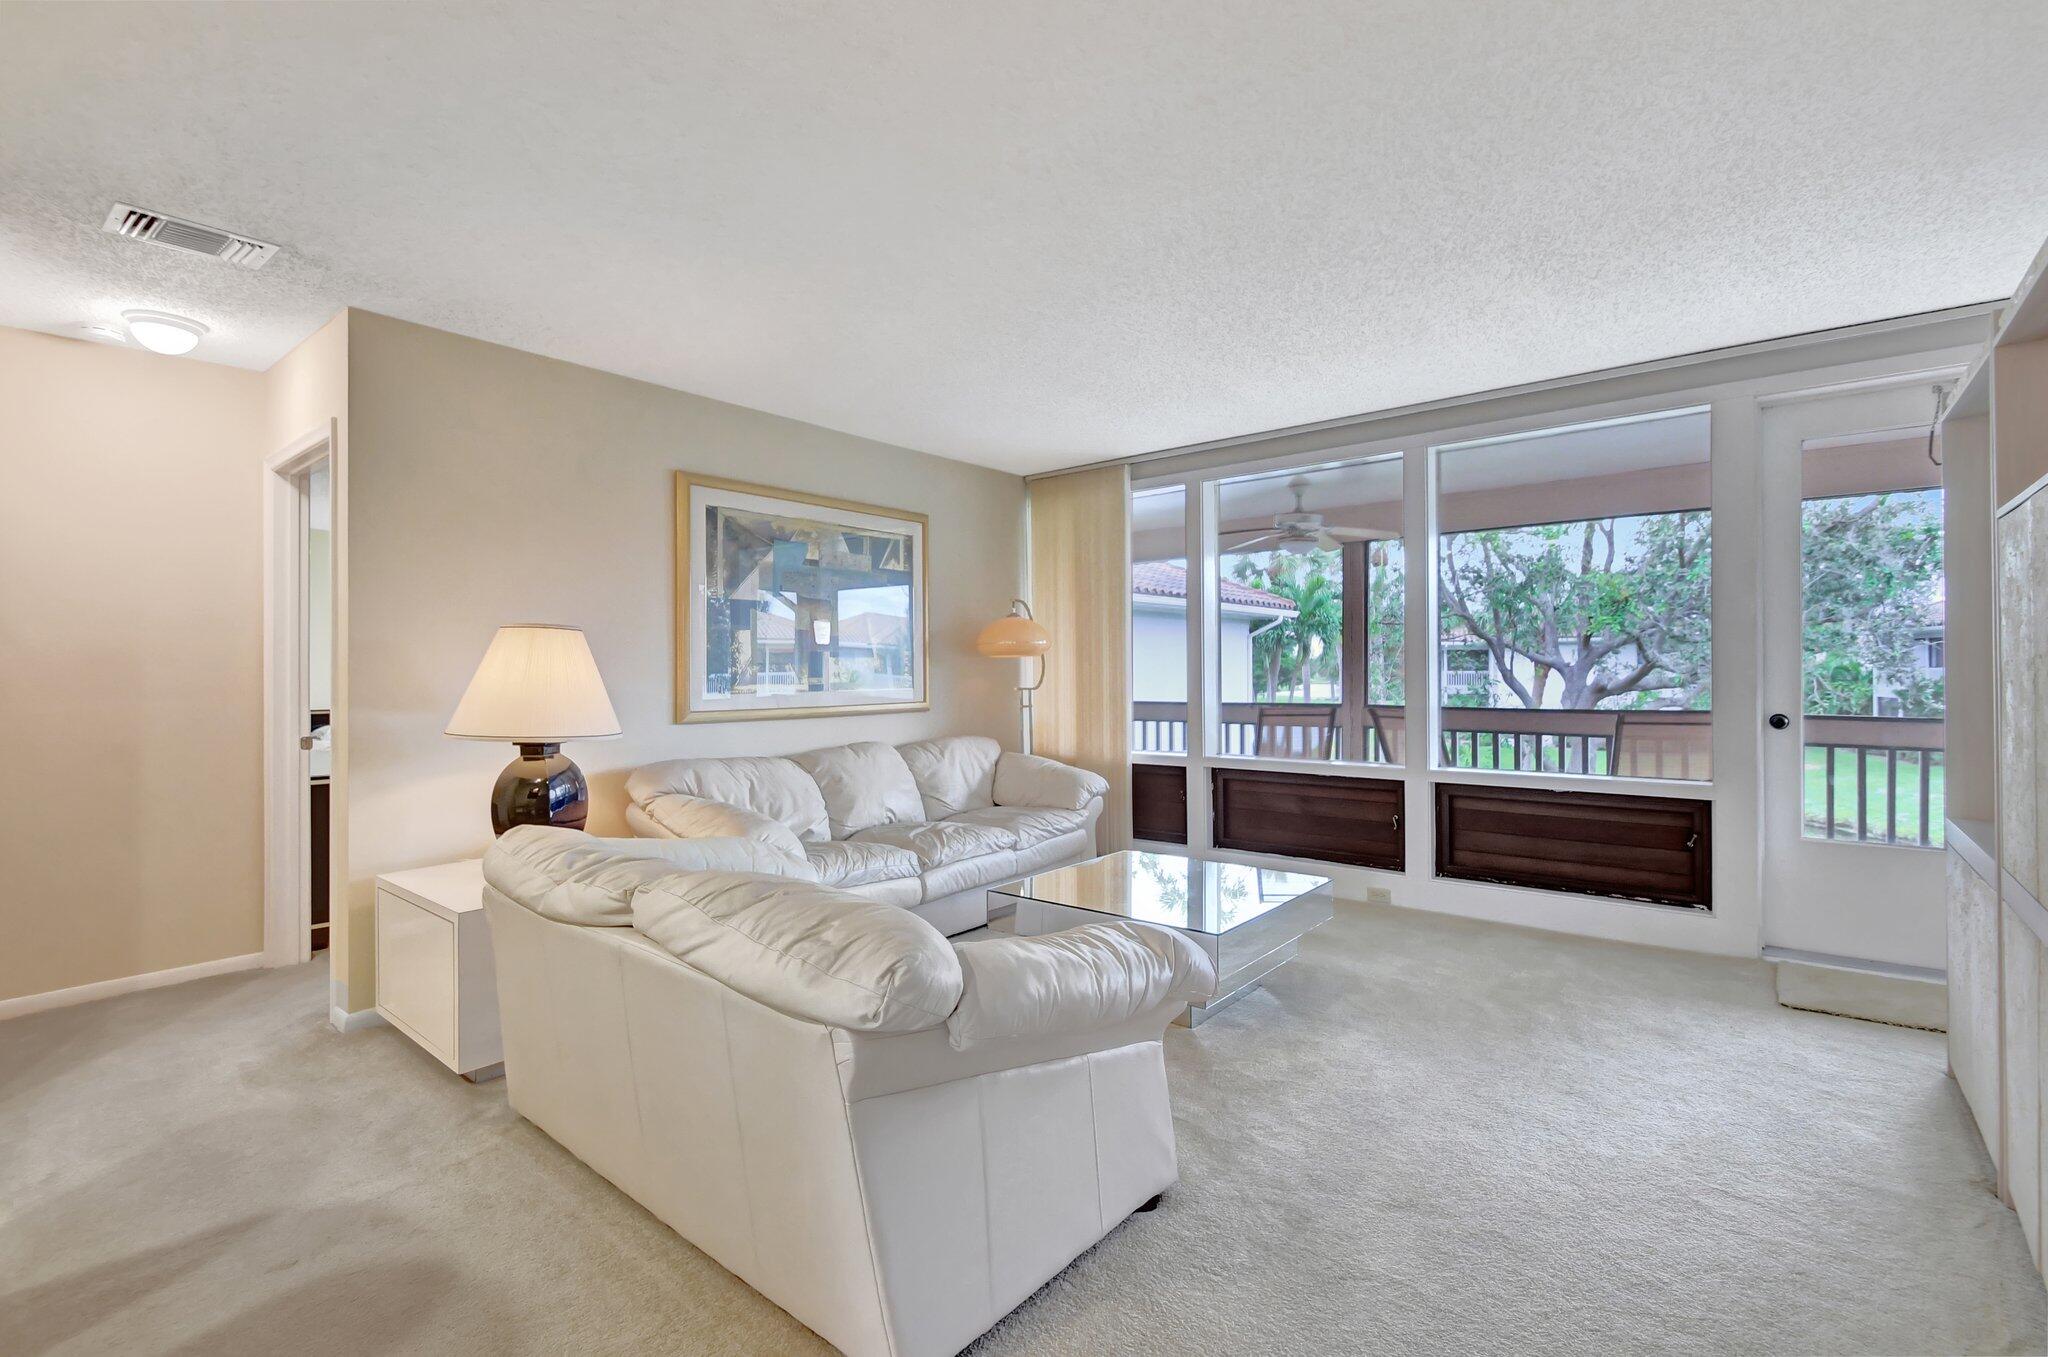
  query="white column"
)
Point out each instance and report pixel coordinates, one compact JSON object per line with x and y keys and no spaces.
{"x":1203,"y":700}
{"x":1418,"y":656}
{"x":1736,"y":538}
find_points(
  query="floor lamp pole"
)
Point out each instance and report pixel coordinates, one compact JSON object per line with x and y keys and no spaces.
{"x":1018,"y":636}
{"x":1025,"y":692}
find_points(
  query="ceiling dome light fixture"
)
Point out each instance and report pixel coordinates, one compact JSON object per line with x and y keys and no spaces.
{"x":161,"y":332}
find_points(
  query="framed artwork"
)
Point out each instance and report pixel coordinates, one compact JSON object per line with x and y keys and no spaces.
{"x":795,"y":605}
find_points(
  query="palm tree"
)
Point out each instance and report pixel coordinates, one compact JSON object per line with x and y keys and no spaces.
{"x":1287,"y":651}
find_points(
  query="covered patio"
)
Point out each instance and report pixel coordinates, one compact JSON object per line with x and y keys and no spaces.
{"x":1870,"y":777}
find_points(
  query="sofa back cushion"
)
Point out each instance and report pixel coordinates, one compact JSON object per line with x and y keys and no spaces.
{"x":864,"y":785}
{"x":954,"y":774}
{"x":692,"y":817}
{"x":577,"y":878}
{"x":776,"y":788}
{"x":806,"y":950}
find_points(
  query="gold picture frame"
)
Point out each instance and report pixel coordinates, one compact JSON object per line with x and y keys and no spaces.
{"x":696,"y":498}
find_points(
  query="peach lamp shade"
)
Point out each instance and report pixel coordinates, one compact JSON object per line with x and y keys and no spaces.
{"x":1018,"y":637}
{"x":537,"y":684}
{"x":1015,"y":637}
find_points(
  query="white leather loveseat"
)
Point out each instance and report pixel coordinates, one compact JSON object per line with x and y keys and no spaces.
{"x":928,"y":826}
{"x":893,"y":1137}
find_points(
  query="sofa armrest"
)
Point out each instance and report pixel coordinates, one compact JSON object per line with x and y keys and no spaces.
{"x":676,"y":816}
{"x":1027,"y":780}
{"x":1095,"y":976}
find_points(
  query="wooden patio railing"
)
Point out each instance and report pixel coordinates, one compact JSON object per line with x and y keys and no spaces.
{"x":1888,"y":769}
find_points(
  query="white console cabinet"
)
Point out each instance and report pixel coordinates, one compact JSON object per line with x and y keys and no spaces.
{"x":436,"y":981}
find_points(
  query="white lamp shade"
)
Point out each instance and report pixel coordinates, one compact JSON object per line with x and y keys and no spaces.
{"x":537,"y":685}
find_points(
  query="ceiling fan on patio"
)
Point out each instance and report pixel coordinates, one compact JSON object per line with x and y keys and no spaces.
{"x":1297,"y":531}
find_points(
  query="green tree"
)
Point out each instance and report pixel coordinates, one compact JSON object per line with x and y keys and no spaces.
{"x":1314,"y":583}
{"x":1609,"y":608}
{"x":1872,"y":579}
{"x":1289,"y":655}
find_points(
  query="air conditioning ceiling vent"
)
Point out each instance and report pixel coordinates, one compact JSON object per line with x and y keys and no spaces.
{"x":179,"y":234}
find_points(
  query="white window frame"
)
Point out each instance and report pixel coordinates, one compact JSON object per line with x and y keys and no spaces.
{"x":1750,"y":378}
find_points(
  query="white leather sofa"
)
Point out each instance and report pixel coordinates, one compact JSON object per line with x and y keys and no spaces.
{"x":928,"y":826}
{"x":894,"y":1137}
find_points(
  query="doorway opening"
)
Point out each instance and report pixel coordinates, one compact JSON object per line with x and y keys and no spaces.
{"x":1854,"y":681}
{"x":298,"y":691}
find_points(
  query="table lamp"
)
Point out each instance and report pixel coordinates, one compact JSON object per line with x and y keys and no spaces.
{"x":536,"y":687}
{"x":1016,"y":636}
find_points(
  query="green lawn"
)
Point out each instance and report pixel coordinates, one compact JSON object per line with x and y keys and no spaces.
{"x":1877,"y":808}
{"x":1474,"y":752}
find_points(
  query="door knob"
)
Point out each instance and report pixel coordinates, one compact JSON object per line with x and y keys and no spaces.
{"x":1779,"y":720}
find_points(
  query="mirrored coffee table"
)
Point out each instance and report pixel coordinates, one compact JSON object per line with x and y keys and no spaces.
{"x":1250,"y":920}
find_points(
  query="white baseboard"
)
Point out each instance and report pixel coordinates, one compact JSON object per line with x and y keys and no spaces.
{"x":341,"y":1020}
{"x":127,"y":984}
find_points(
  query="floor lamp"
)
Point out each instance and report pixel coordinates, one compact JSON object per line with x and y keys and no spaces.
{"x":1016,"y":636}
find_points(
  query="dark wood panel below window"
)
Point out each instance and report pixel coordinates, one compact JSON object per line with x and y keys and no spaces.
{"x":1159,"y":802}
{"x":1351,"y":820}
{"x":1654,"y":848}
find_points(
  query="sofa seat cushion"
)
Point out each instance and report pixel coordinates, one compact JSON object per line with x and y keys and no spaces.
{"x":814,"y":953}
{"x":905,"y":892}
{"x":1049,"y":853}
{"x":692,"y":817}
{"x":938,"y":842}
{"x":863,"y":785}
{"x":853,"y":862}
{"x":777,"y":788}
{"x":1030,"y":824}
{"x":1085,"y":978}
{"x":953,"y":774}
{"x":968,"y":873}
{"x":577,"y":878}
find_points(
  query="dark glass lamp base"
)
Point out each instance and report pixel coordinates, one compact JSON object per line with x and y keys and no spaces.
{"x":540,"y":787}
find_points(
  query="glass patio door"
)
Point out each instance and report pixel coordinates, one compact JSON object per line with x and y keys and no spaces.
{"x":1853,"y":694}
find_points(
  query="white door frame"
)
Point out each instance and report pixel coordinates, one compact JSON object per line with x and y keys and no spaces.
{"x":1862,"y":901}
{"x":287,"y":828}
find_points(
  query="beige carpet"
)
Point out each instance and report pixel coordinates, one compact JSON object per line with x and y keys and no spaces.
{"x":1426,"y":1136}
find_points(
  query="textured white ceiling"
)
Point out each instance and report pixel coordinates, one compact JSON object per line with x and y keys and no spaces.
{"x":1039,"y":233}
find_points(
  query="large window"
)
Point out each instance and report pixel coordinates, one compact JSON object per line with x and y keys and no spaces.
{"x":1159,"y":622}
{"x":1573,"y":573}
{"x":1872,"y":688}
{"x":1311,"y":592}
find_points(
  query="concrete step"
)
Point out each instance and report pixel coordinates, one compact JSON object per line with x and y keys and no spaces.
{"x":1904,"y":996}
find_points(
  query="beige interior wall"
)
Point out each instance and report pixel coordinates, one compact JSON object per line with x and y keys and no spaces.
{"x":320,"y":619}
{"x":130,"y":662}
{"x":487,"y":486}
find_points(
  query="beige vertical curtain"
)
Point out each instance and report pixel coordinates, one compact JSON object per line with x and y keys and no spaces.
{"x":1081,"y":594}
